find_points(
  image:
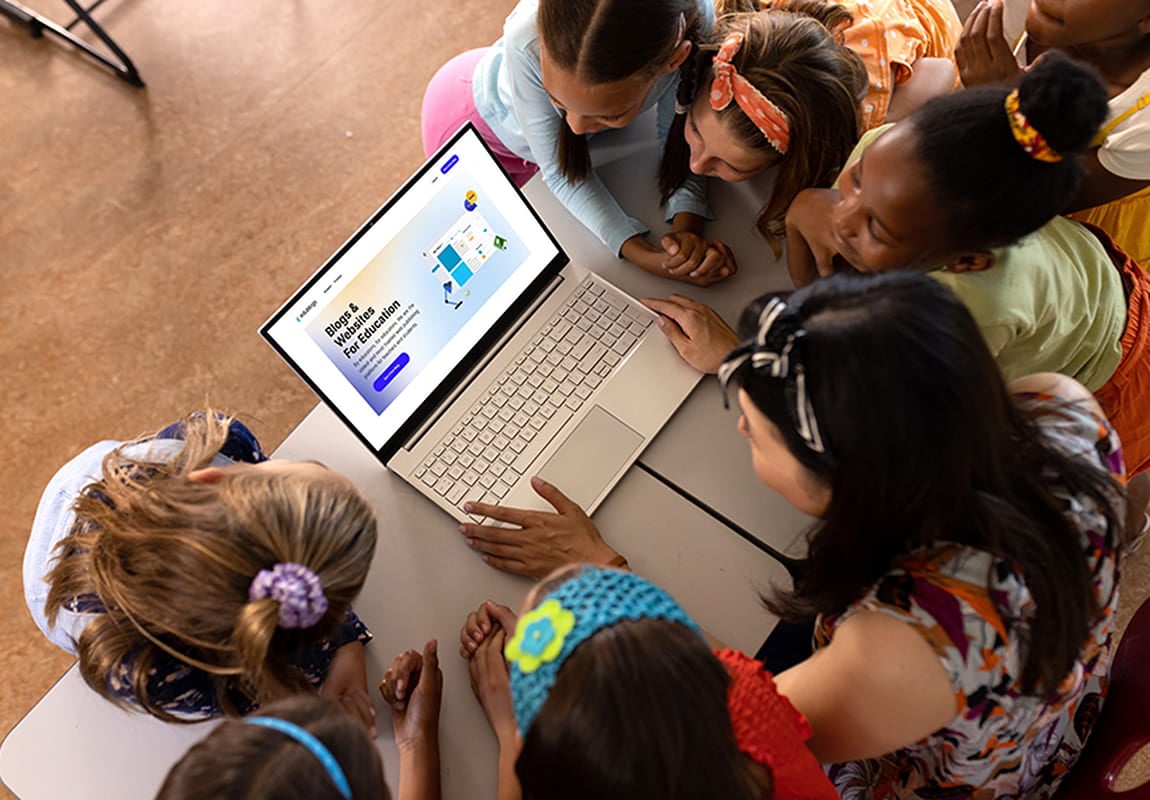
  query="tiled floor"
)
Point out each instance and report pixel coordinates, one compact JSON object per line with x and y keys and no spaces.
{"x":145,"y":234}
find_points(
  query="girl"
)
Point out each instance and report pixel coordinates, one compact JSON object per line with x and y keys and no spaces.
{"x":194,"y":577}
{"x":563,"y":70}
{"x":820,"y":84}
{"x":598,"y":661}
{"x":1003,"y":37}
{"x":942,"y":190}
{"x":300,"y":748}
{"x":962,"y":568}
{"x":304,"y":747}
{"x":908,"y":48}
{"x":775,"y":90}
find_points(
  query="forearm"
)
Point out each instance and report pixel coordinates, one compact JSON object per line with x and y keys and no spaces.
{"x":686,"y":222}
{"x":419,"y":777}
{"x":800,"y":259}
{"x":508,"y":780}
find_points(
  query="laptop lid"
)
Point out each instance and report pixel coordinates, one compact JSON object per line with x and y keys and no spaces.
{"x":397,"y":316}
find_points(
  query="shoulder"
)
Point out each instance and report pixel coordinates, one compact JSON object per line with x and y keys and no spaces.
{"x":520,"y":40}
{"x":54,"y":513}
{"x":1070,"y":419}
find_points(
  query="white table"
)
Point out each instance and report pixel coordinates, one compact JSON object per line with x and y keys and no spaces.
{"x":424,"y":580}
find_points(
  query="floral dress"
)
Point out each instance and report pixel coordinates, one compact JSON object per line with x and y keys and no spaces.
{"x":1000,"y":743}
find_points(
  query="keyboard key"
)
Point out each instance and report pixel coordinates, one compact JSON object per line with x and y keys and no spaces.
{"x":529,"y":454}
{"x":470,"y":477}
{"x":455,"y":472}
{"x":456,"y":493}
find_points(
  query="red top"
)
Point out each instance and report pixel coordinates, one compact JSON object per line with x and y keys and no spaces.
{"x":772,"y":731}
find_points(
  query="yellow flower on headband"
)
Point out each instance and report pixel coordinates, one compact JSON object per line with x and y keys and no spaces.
{"x":539,"y":636}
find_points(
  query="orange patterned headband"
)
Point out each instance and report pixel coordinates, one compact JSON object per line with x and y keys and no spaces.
{"x":730,"y":85}
{"x":1027,"y":135}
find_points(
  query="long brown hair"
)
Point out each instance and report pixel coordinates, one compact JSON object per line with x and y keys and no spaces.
{"x":603,"y":41}
{"x":238,"y":761}
{"x":171,"y":560}
{"x":793,"y":55}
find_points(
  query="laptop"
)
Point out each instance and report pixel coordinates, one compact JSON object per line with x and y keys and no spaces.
{"x":454,"y":338}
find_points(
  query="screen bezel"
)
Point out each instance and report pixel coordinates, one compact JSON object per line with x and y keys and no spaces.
{"x":476,"y":353}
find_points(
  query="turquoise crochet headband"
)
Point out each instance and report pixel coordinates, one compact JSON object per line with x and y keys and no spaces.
{"x":593,"y":599}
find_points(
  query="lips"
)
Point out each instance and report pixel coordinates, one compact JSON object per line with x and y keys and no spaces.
{"x":845,"y":250}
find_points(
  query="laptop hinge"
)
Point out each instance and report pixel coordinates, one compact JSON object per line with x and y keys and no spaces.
{"x":548,"y":290}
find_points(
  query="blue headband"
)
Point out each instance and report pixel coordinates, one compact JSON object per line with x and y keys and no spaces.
{"x":313,"y":745}
{"x":592,"y":600}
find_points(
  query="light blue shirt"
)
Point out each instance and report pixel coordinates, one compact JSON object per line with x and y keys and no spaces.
{"x":509,"y":95}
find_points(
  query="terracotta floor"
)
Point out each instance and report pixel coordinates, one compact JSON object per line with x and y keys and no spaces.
{"x":145,"y":234}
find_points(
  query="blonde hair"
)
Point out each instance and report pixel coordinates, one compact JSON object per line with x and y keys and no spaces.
{"x":171,"y":561}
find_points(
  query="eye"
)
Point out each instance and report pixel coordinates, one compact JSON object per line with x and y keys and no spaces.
{"x":874,"y":233}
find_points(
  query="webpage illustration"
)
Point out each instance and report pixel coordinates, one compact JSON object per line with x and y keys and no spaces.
{"x":410,"y":301}
{"x":388,"y":320}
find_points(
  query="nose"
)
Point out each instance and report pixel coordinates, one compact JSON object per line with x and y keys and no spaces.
{"x":845,"y":218}
{"x":582,"y":125}
{"x":699,"y":161}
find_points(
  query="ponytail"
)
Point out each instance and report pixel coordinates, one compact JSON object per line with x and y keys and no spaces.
{"x":986,"y":172}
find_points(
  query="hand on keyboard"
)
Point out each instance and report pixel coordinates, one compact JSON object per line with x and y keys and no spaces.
{"x":696,"y":331}
{"x":540,"y":541}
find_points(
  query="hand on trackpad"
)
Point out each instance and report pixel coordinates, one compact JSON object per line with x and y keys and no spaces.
{"x":591,"y":457}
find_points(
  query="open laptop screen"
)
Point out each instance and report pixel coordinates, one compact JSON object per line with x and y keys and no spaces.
{"x":401,"y":310}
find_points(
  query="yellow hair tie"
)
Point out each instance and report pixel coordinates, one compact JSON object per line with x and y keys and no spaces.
{"x":1027,"y":135}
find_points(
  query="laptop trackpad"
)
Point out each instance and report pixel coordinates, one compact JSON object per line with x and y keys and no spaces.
{"x":592,"y":455}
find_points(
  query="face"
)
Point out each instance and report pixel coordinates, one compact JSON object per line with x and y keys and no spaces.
{"x":888,"y":216}
{"x":589,"y":108}
{"x":715,"y":150}
{"x":776,"y":467}
{"x":1070,"y":23}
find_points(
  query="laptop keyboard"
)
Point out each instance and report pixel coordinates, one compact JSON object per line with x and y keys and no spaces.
{"x":496,"y":442}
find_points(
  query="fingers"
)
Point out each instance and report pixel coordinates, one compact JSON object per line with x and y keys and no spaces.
{"x":405,"y":673}
{"x":430,"y":675}
{"x":470,"y":635}
{"x":559,"y":501}
{"x":994,"y":34}
{"x":515,"y":516}
{"x":684,"y":251}
{"x":358,"y":704}
{"x":506,"y":618}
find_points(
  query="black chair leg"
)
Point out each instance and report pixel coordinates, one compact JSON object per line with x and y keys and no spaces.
{"x":38,"y":25}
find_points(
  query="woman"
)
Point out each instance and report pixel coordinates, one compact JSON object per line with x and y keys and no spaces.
{"x":961,"y":574}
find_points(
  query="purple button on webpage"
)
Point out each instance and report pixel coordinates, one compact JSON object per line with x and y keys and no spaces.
{"x":392,"y":370}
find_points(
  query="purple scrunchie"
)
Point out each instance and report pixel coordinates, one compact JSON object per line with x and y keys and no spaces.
{"x":298,"y":591}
